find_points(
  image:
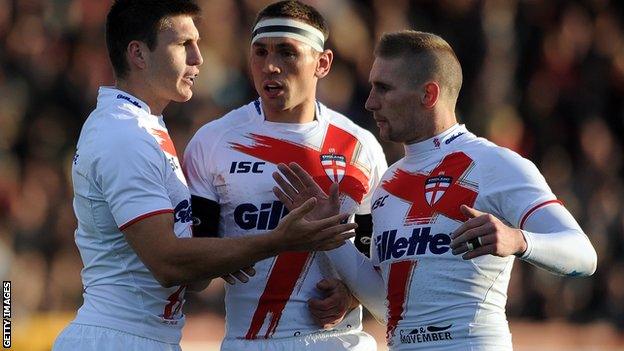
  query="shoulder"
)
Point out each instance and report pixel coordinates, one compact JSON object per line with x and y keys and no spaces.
{"x":362,"y":134}
{"x":498,"y":162}
{"x":121,"y":131}
{"x":209,"y":136}
{"x":222,"y":125}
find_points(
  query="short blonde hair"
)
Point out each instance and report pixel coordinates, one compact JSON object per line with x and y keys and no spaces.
{"x":427,"y":57}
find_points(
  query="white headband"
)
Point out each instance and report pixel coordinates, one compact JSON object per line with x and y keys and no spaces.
{"x":289,"y":28}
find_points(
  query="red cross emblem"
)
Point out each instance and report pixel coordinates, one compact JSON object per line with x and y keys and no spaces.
{"x":334,"y":166}
{"x":432,"y":195}
{"x":435,"y":187}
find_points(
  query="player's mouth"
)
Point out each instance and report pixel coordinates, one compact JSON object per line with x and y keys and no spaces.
{"x":380,"y":122}
{"x":190,"y":79}
{"x":273,"y":88}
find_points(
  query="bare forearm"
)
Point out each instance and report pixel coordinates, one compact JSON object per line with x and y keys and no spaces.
{"x":195,"y":259}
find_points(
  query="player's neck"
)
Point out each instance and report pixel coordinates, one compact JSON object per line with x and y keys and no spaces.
{"x":142,"y":91}
{"x":302,"y":113}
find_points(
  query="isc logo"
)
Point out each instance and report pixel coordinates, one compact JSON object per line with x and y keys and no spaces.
{"x":248,"y":216}
{"x":246,"y":167}
{"x":388,"y":246}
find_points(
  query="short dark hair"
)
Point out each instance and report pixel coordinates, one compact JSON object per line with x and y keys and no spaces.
{"x":433,"y":56}
{"x":295,"y":10}
{"x":141,"y":20}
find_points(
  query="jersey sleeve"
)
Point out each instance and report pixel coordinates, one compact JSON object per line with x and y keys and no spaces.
{"x":513,"y":187}
{"x":132,"y":180}
{"x":379,"y":165}
{"x":198,"y":165}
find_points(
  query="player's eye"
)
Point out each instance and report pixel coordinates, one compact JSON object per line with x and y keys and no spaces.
{"x":260,"y":52}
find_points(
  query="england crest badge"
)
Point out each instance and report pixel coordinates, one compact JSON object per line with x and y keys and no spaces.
{"x":334,"y":166}
{"x":435,"y":187}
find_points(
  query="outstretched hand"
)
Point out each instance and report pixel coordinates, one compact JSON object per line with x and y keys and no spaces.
{"x":484,"y":234}
{"x":295,"y":232}
{"x":300,"y":187}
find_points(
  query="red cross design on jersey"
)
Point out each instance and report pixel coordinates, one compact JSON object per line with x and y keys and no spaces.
{"x":334,"y":162}
{"x":163,"y":139}
{"x":399,"y":280}
{"x":438,"y":192}
{"x":337,"y":145}
{"x":334,"y":166}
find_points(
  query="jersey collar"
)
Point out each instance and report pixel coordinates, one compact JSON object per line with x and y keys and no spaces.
{"x":108,"y":95}
{"x":437,"y":142}
{"x":309,"y":128}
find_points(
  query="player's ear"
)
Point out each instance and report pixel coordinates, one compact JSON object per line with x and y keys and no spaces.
{"x":137,"y":53}
{"x":430,"y":94}
{"x":323,"y":63}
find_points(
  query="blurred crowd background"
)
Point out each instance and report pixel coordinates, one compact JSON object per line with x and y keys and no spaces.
{"x":542,"y":77}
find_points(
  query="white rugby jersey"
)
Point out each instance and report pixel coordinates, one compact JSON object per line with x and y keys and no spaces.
{"x":126,"y":169}
{"x":231,"y":161}
{"x":435,"y":300}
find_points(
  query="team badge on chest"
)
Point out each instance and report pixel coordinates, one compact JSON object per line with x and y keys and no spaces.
{"x":435,"y":187}
{"x":334,"y":166}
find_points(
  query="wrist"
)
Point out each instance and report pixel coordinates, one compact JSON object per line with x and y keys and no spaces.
{"x":522,"y":244}
{"x":270,"y":244}
{"x":354,"y":302}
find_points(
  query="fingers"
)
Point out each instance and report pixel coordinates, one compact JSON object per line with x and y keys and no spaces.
{"x":470,"y":212}
{"x":240,"y":276}
{"x":286,"y":187}
{"x":324,"y":316}
{"x":334,"y":193}
{"x":335,"y":241}
{"x":480,"y":251}
{"x":330,"y":310}
{"x":291,"y":176}
{"x":303,"y":176}
{"x":330,"y":221}
{"x":250,"y":271}
{"x":470,"y":234}
{"x":229,"y":279}
{"x":469,"y":224}
{"x":301,"y":211}
{"x":484,"y":241}
{"x":327,"y":284}
{"x":287,"y":201}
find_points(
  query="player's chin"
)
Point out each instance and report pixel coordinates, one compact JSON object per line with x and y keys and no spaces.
{"x":183,"y":95}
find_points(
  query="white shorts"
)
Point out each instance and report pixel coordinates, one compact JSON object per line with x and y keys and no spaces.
{"x":93,"y":338}
{"x":324,"y":341}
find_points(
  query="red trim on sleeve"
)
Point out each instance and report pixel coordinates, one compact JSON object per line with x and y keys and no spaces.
{"x":535,"y":208}
{"x":143,"y":216}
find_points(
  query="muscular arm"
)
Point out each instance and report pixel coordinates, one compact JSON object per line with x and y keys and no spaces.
{"x":176,"y":261}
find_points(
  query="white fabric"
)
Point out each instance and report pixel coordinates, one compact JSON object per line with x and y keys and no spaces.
{"x":125,"y":169}
{"x":557,"y":243}
{"x":364,"y":281}
{"x":91,"y":338}
{"x":355,"y":340}
{"x":290,"y":23}
{"x":450,"y":303}
{"x":219,"y":163}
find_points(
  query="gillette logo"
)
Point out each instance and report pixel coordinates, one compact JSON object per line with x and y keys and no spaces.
{"x":388,"y":246}
{"x":263,"y":217}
